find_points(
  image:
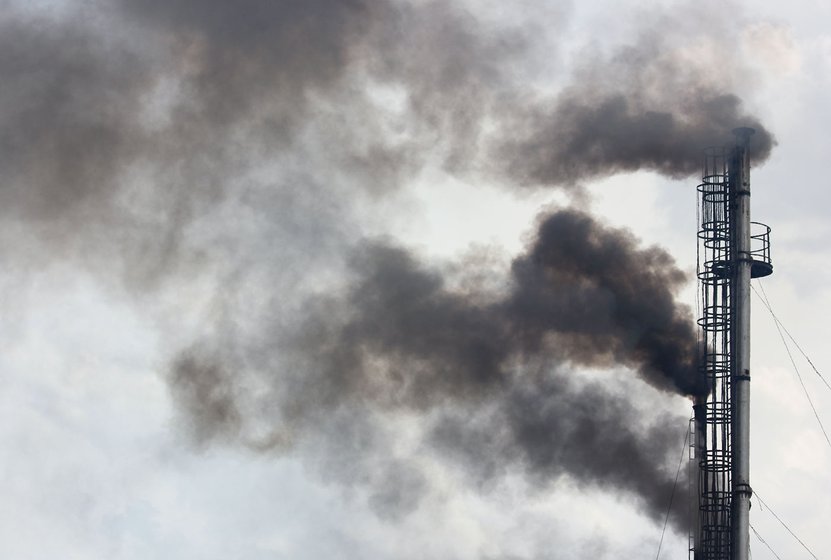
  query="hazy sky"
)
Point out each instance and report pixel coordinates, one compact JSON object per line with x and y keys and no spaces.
{"x":392,"y":279}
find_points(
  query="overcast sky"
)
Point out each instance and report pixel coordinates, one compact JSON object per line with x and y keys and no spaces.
{"x":370,"y":278}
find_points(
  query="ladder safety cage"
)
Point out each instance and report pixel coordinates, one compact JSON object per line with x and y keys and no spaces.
{"x":714,"y":462}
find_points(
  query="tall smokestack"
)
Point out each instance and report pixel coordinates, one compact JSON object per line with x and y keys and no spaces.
{"x":729,"y":256}
{"x":742,"y":265}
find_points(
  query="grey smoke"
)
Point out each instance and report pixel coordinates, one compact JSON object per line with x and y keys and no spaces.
{"x":400,"y":338}
{"x":247,"y":142}
{"x":66,"y":118}
{"x":587,"y":138}
{"x":646,"y":106}
{"x":188,"y":96}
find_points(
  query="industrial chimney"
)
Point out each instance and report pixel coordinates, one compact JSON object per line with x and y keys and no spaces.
{"x":731,"y":251}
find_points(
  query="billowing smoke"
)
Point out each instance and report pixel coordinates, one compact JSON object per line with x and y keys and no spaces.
{"x":238,"y":149}
{"x":631,"y":111}
{"x":400,"y":337}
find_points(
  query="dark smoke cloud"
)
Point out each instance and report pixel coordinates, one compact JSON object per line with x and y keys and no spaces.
{"x":150,"y":125}
{"x":582,"y":294}
{"x":245,"y":145}
{"x":400,"y":338}
{"x":555,"y":425}
{"x":613,"y":303}
{"x":617,"y":133}
{"x":120,"y":131}
{"x":65,"y":117}
{"x":647,"y":106}
{"x":255,"y":58}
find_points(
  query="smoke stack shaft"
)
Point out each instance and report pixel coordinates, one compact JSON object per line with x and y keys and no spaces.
{"x":742,"y":264}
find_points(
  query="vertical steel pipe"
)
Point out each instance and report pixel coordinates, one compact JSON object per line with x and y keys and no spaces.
{"x":700,"y":426}
{"x":742,"y":264}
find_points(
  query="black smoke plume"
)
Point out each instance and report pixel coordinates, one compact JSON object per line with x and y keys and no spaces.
{"x":240,"y":148}
{"x":401,"y":338}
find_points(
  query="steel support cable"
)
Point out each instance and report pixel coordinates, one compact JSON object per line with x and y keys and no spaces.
{"x":763,"y":541}
{"x":788,"y":529}
{"x":766,"y":303}
{"x":672,"y":494}
{"x":796,"y":370}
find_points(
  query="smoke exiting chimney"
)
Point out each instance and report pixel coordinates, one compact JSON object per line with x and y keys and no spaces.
{"x":186,"y":146}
